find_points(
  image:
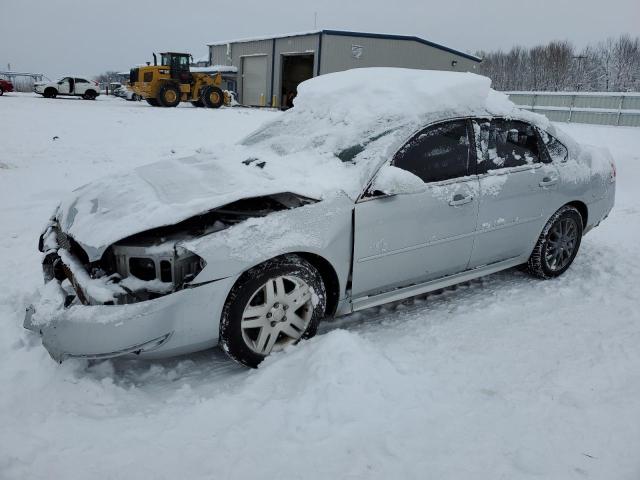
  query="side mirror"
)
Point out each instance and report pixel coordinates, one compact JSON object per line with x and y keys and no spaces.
{"x":392,"y":180}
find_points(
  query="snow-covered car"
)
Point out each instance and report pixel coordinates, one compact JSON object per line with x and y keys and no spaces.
{"x":5,"y":86}
{"x":68,"y":86}
{"x":341,"y":203}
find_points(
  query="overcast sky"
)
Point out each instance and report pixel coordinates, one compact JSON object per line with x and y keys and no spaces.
{"x":88,"y":37}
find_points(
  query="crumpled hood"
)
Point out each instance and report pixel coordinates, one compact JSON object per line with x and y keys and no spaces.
{"x":100,"y":213}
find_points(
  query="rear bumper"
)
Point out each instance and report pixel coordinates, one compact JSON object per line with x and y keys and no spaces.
{"x":181,"y":322}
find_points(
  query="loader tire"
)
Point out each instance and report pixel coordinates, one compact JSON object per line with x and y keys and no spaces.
{"x":169,"y":95}
{"x":212,"y":97}
{"x":153,"y":102}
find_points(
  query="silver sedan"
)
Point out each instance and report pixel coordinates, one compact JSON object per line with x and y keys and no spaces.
{"x":324,"y":211}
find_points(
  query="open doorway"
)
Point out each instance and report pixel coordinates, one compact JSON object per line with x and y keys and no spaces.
{"x":296,"y":68}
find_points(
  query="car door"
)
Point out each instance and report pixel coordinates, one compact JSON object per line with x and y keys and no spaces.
{"x":64,"y":86}
{"x":406,"y":239}
{"x":517,"y":182}
{"x":81,"y":86}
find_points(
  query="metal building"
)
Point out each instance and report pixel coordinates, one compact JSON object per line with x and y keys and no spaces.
{"x":270,"y":68}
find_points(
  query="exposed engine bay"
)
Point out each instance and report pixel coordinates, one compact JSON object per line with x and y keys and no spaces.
{"x":148,"y":264}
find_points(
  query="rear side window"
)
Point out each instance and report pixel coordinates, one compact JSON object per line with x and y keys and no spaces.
{"x":556,"y":151}
{"x":505,"y":144}
{"x":437,"y":153}
{"x":81,"y":80}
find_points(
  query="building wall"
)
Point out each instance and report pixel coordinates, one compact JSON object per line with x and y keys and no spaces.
{"x":302,"y":44}
{"x":239,"y":50}
{"x":337,"y":55}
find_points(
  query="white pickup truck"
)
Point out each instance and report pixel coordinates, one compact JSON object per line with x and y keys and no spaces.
{"x":70,"y":86}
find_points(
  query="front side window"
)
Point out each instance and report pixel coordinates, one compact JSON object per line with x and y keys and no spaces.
{"x":439,"y":152}
{"x":505,"y":144}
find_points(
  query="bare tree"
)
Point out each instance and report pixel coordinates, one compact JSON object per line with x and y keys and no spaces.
{"x":612,"y":64}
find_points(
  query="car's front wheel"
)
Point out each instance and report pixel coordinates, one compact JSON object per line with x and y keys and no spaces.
{"x":558,"y":244}
{"x":273,"y":305}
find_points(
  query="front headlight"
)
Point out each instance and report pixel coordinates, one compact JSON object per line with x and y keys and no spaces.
{"x":187,"y":265}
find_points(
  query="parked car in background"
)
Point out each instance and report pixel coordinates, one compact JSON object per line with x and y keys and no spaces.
{"x":341,"y":203}
{"x":123,"y":92}
{"x":68,"y":86}
{"x":5,"y":86}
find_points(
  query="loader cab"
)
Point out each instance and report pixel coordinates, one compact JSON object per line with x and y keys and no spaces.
{"x":178,"y":64}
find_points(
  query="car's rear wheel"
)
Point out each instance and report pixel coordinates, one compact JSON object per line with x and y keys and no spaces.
{"x":557,"y":245}
{"x":90,"y":95}
{"x":1,"y":91}
{"x":273,"y":305}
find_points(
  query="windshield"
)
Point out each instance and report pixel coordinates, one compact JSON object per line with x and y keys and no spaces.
{"x":290,"y":134}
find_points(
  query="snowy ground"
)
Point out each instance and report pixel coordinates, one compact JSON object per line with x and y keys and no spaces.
{"x":505,"y":377}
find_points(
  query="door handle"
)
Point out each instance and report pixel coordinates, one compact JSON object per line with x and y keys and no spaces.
{"x":548,"y":182}
{"x":460,"y":199}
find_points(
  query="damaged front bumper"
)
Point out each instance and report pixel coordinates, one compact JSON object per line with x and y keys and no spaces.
{"x":78,"y":317}
{"x":182,"y":322}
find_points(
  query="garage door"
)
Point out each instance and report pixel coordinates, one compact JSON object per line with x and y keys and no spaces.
{"x":254,"y":80}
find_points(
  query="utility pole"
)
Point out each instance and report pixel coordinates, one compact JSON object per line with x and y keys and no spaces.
{"x":315,"y":20}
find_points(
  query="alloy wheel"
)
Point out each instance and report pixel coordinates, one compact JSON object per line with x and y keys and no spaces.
{"x":277,"y":314}
{"x":561,"y":243}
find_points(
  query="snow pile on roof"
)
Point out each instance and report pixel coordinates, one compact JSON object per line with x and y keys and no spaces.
{"x":215,"y":69}
{"x":263,"y":37}
{"x":340,"y":110}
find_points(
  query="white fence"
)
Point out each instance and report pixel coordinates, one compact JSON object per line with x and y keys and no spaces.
{"x":600,"y":108}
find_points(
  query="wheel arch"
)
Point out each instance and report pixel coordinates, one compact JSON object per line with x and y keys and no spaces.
{"x":582,"y":209}
{"x":326,"y":269}
{"x":329,"y":277}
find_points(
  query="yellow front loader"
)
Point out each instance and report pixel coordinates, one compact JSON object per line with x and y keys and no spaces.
{"x":171,"y":82}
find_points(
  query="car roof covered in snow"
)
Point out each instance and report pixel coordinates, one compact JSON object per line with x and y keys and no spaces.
{"x":338,"y":110}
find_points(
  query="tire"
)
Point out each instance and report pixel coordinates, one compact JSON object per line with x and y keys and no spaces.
{"x":1,"y":91}
{"x":169,"y":95}
{"x":153,"y":102}
{"x":557,"y":245}
{"x":50,"y":93}
{"x":262,"y":297}
{"x":89,"y":95}
{"x":197,"y":103}
{"x":212,"y":97}
{"x":136,"y":97}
